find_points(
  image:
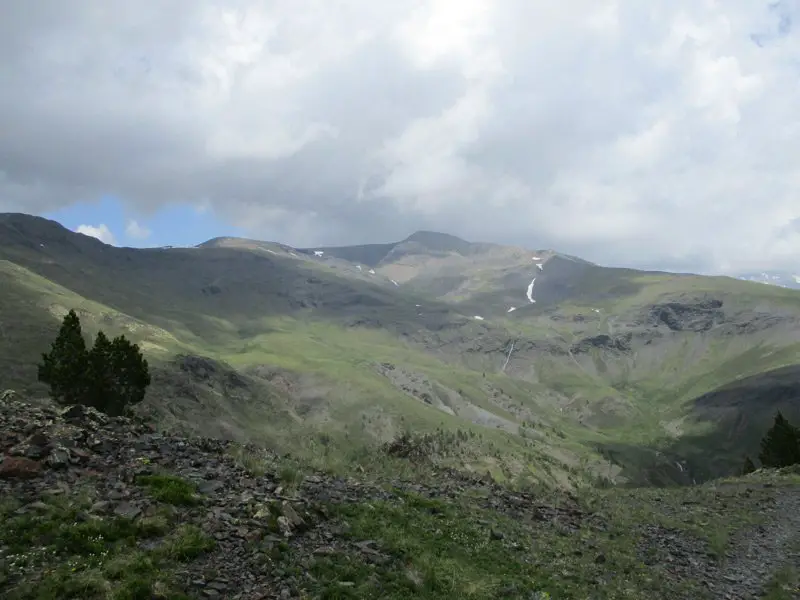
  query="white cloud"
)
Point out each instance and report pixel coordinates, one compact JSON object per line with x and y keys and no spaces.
{"x":661,"y":133}
{"x":101,"y":232}
{"x":137,"y":232}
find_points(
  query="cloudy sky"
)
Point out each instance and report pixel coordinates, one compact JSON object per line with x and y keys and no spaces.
{"x":663,"y":133}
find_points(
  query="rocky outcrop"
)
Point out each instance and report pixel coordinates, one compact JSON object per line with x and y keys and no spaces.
{"x":687,"y":316}
{"x":616,"y":343}
{"x":82,"y":451}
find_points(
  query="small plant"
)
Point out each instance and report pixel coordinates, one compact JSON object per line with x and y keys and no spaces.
{"x":290,"y":476}
{"x":170,"y":489}
{"x":188,"y":542}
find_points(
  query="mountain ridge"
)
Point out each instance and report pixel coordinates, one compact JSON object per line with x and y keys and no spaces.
{"x":592,"y":362}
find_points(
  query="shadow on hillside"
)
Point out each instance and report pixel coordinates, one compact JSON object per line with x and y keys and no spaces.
{"x":736,"y":415}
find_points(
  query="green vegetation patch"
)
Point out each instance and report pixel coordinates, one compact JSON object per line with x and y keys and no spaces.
{"x":58,"y":549}
{"x":170,"y":489}
{"x":426,"y":548}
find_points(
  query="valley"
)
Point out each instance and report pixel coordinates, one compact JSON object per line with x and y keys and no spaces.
{"x":551,"y":369}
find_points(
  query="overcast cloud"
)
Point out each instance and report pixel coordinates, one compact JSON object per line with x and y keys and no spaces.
{"x":663,"y":133}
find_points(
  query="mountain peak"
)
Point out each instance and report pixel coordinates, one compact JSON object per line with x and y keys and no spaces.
{"x":441,"y":242}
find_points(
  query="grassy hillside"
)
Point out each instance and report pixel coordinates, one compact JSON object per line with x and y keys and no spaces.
{"x":603,"y":375}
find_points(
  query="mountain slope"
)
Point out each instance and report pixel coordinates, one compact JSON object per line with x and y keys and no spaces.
{"x":108,"y":508}
{"x":317,"y":341}
{"x":595,"y":370}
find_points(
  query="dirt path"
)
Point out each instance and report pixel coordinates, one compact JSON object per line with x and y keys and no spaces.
{"x":758,"y":554}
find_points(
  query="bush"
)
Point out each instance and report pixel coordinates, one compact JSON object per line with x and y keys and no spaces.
{"x":109,"y":377}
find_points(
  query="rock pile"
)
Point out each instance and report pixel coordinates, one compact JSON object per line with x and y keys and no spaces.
{"x":49,"y":450}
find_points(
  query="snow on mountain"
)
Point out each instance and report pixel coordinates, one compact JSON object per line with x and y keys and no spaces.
{"x":781,"y":279}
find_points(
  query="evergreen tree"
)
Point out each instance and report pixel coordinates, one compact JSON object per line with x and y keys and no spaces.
{"x":99,"y":373}
{"x":131,"y":373}
{"x":118,"y":374}
{"x":64,"y":367}
{"x":781,"y":445}
{"x":109,"y":377}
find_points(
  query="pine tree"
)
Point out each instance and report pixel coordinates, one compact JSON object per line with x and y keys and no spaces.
{"x":131,"y":375}
{"x":748,"y":466}
{"x":780,"y":447}
{"x":64,"y":367}
{"x":100,"y":373}
{"x":109,"y":377}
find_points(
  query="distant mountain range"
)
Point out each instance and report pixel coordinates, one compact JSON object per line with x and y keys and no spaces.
{"x":782,"y":279}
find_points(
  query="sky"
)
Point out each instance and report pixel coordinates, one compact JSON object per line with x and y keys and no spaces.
{"x":113,"y":222}
{"x":659,"y":134}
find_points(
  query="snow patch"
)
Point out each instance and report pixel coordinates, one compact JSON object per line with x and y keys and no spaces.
{"x":271,"y":251}
{"x":372,"y":271}
{"x":680,"y":466}
{"x":529,"y":291}
{"x":597,"y":310}
{"x":478,"y":318}
{"x":512,"y":309}
{"x":539,"y":266}
{"x":394,"y":282}
{"x":796,"y":278}
{"x":536,"y":258}
{"x":358,"y":267}
{"x":292,"y":254}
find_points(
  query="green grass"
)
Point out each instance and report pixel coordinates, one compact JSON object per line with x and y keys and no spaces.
{"x":784,"y":585}
{"x":58,"y":549}
{"x":159,"y":302}
{"x":435,"y":549}
{"x":169,"y":489}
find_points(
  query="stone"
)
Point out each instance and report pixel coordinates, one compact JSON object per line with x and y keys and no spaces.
{"x":74,"y":414}
{"x":19,"y":467}
{"x":58,"y":458}
{"x":209,"y":487}
{"x":285,"y":526}
{"x":295,"y":520}
{"x":127,"y":510}
{"x":102,"y":506}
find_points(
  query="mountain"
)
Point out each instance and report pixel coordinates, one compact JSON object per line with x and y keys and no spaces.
{"x":779,"y":278}
{"x":549,"y":368}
